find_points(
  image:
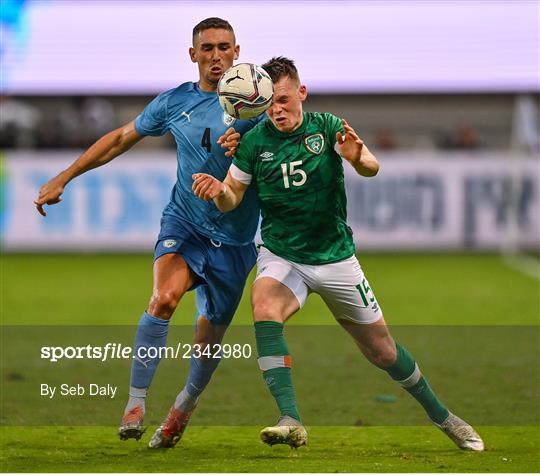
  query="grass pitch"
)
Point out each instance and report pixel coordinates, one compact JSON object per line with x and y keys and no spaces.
{"x":412,"y":289}
{"x":428,"y":290}
{"x":228,"y":449}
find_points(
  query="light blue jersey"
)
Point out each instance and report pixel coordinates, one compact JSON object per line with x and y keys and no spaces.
{"x":196,"y":120}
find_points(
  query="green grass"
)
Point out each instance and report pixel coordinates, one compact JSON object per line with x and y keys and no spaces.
{"x":412,"y":290}
{"x":217,"y":449}
{"x":468,"y":318}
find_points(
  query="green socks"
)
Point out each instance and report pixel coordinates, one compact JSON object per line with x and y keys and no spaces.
{"x":406,"y":372}
{"x":275,"y":363}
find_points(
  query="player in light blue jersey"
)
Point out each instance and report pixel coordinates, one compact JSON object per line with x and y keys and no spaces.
{"x":198,"y":247}
{"x":196,"y":120}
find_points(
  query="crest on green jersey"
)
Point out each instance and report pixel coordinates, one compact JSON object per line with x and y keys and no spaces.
{"x":314,"y":143}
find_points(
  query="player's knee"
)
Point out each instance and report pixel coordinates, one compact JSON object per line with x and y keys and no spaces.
{"x":387,"y":358}
{"x":383,"y":356}
{"x":163,"y":304}
{"x":264,"y":310}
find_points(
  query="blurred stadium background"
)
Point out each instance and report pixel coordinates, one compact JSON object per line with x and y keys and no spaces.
{"x":445,"y":93}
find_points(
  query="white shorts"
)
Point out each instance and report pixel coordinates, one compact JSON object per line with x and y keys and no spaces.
{"x":342,"y":285}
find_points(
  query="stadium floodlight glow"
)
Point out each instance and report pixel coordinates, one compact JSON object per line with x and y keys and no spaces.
{"x":54,"y":48}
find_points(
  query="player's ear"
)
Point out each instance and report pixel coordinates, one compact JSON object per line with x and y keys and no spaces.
{"x":192,"y":55}
{"x":236,"y":52}
{"x":302,"y":92}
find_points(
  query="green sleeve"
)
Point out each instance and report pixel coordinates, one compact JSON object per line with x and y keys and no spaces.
{"x":243,"y":158}
{"x":333,"y":126}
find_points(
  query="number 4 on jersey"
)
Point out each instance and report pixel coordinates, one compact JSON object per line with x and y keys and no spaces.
{"x":292,"y":171}
{"x":205,"y":141}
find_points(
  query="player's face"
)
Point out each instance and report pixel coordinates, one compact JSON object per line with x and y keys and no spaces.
{"x":286,"y":109}
{"x":214,"y":51}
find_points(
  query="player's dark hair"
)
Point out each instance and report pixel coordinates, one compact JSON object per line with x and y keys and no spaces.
{"x":212,"y":22}
{"x":279,"y":67}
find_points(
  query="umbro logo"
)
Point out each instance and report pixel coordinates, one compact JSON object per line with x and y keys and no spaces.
{"x":266,"y":156}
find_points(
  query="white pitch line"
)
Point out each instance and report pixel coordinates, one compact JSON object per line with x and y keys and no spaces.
{"x":527,"y":265}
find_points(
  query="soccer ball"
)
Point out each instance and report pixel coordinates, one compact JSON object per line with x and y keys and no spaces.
{"x":245,"y":91}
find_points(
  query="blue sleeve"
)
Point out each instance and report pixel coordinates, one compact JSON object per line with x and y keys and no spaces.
{"x":258,"y":119}
{"x":154,"y":118}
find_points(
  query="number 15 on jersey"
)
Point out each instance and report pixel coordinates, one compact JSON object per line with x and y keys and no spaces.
{"x":297,"y":175}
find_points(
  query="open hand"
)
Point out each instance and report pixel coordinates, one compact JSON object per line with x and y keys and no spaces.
{"x":350,"y":145}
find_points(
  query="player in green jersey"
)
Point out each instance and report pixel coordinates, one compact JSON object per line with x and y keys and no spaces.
{"x":294,"y":162}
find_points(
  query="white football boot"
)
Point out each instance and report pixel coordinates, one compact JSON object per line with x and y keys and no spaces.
{"x":288,"y":431}
{"x":461,"y":433}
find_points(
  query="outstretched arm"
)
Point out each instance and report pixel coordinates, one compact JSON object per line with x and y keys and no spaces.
{"x":352,"y":148}
{"x":103,"y":151}
{"x":227,"y":195}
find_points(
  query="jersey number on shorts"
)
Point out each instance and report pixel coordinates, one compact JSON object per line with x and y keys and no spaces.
{"x":292,"y":172}
{"x":365,"y":290}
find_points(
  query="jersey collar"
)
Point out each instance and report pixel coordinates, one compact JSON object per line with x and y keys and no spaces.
{"x":201,"y":92}
{"x":300,"y":130}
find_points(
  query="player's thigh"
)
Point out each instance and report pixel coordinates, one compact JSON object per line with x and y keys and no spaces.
{"x":179,"y":259}
{"x":272,"y":301}
{"x":171,"y":273}
{"x":172,"y":279}
{"x":177,"y":237}
{"x":279,"y":290}
{"x":225,"y":277}
{"x":346,"y":291}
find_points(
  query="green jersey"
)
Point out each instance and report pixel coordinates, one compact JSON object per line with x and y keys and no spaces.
{"x":298,"y":177}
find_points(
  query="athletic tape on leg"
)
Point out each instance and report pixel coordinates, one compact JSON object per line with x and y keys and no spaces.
{"x":412,"y":379}
{"x":270,"y":362}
